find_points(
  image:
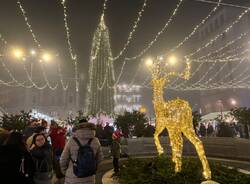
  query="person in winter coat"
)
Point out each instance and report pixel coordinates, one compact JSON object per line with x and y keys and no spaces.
{"x":16,"y":164}
{"x":58,"y":136}
{"x":37,"y":130}
{"x":83,"y":132}
{"x":42,"y":156}
{"x":30,"y":129}
{"x":116,"y":151}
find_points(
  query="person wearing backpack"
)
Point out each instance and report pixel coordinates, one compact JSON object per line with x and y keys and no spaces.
{"x":16,"y":164}
{"x":81,"y":155}
{"x":41,"y":152}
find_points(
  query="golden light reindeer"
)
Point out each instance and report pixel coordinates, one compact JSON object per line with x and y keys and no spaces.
{"x":175,"y":116}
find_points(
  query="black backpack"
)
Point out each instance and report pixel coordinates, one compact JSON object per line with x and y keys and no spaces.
{"x":85,"y":163}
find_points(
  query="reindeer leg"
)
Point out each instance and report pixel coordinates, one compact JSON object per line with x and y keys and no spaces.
{"x":158,"y":130}
{"x":176,"y":142}
{"x":193,"y":138}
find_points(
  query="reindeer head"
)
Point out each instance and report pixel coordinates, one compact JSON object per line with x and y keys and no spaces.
{"x":160,"y":76}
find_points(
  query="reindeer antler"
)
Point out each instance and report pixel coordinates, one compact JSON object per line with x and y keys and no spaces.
{"x":185,"y":74}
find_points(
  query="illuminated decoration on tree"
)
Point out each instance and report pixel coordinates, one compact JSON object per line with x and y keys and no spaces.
{"x":176,"y":117}
{"x":100,"y":97}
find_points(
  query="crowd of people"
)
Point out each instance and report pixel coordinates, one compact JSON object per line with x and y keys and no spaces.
{"x":219,"y":130}
{"x":42,"y":154}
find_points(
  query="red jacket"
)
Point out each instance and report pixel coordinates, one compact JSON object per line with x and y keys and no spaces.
{"x":57,"y":136}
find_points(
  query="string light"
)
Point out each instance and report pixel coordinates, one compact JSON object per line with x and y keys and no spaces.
{"x":225,"y":46}
{"x":219,"y":35}
{"x":158,"y":34}
{"x":214,"y":60}
{"x":64,"y":86}
{"x":46,"y":57}
{"x":72,"y":54}
{"x":176,"y":117}
{"x":127,"y":43}
{"x":3,"y":40}
{"x":225,"y":4}
{"x":221,"y":68}
{"x":228,"y":58}
{"x":46,"y":79}
{"x":119,"y":76}
{"x":195,"y":28}
{"x":28,"y":24}
{"x":32,"y":82}
{"x":17,"y":84}
{"x":234,"y":50}
{"x":140,"y":13}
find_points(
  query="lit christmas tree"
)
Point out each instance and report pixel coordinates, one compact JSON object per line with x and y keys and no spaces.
{"x":101,"y":90}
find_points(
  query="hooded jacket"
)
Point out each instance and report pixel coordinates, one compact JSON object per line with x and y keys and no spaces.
{"x":83,"y":132}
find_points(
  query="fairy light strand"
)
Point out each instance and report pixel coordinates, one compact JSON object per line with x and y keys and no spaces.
{"x":219,"y":35}
{"x":195,"y":28}
{"x":140,"y":13}
{"x":158,"y":34}
{"x":38,"y":45}
{"x":71,"y":52}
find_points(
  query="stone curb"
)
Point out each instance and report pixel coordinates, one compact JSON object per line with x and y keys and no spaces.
{"x":107,"y":178}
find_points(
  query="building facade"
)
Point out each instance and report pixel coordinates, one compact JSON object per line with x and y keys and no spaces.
{"x":128,"y":98}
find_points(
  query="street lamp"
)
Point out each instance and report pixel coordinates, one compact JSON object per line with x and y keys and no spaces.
{"x":233,"y":102}
{"x":149,"y":62}
{"x":46,"y":57}
{"x":172,"y":60}
{"x":18,"y":53}
{"x":32,"y":52}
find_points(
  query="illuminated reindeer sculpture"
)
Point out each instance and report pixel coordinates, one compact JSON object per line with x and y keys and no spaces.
{"x":176,"y":117}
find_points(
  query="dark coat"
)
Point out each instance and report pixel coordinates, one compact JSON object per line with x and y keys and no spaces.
{"x":16,"y":165}
{"x":116,"y":148}
{"x":42,"y":157}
